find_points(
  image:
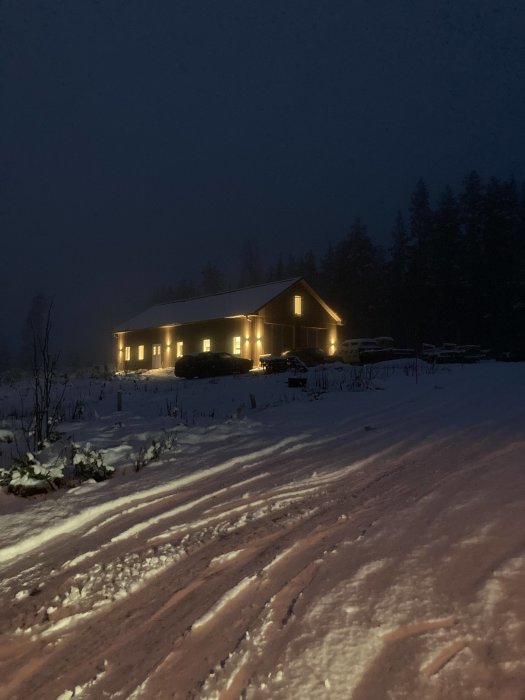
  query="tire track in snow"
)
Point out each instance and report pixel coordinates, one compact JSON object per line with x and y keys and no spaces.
{"x":67,"y":637}
{"x":92,"y":513}
{"x":293,"y":486}
{"x":249,"y":636}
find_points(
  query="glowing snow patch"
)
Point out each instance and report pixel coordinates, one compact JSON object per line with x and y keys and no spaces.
{"x":225,"y":557}
{"x":223,"y":601}
{"x":79,"y":689}
{"x":279,"y":558}
{"x":66,"y":622}
{"x":370,"y":568}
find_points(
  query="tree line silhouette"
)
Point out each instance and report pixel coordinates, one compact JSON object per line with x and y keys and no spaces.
{"x":454,"y":272}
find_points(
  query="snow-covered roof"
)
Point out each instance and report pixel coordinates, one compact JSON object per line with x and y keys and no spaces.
{"x":239,"y":302}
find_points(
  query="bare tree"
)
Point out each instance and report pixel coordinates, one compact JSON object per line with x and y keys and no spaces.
{"x":46,"y":405}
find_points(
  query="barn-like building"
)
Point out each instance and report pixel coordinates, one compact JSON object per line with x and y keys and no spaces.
{"x":250,"y":322}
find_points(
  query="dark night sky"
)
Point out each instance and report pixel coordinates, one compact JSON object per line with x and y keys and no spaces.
{"x":140,"y":139}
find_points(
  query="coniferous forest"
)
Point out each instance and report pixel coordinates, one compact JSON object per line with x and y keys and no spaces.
{"x":452,"y":272}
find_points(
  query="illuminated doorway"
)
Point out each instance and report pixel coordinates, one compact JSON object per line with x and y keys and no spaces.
{"x":156,"y":362}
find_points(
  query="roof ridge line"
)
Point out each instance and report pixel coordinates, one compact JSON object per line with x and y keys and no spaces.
{"x":228,"y":291}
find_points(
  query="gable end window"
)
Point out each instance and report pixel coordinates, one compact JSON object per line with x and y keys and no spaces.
{"x":298,"y":305}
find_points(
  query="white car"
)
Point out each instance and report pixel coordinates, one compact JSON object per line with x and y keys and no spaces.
{"x":358,"y":350}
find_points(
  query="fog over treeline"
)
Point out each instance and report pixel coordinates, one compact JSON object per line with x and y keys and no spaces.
{"x":452,"y":272}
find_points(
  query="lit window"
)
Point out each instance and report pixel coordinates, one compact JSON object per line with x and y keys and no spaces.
{"x":155,"y":350}
{"x":141,"y":352}
{"x":127,"y":353}
{"x":297,"y":305}
{"x":206,"y":345}
{"x":180,"y":351}
{"x":237,"y":345}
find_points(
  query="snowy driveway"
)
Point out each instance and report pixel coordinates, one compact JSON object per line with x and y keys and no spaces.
{"x":359,"y":545}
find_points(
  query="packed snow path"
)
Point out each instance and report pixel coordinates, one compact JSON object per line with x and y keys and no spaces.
{"x":346,"y":547}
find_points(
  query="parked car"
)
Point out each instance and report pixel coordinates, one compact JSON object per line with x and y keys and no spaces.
{"x":272,"y":364}
{"x":393,"y":352}
{"x":362,"y":351}
{"x":311,"y":356}
{"x":441,"y":354}
{"x":474,"y":353}
{"x":451,"y":353}
{"x":211,"y":364}
{"x":513,"y":355}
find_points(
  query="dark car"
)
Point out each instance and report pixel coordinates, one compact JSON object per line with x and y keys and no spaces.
{"x":516,"y":354}
{"x":311,"y":357}
{"x":211,"y":364}
{"x":273,"y":364}
{"x":450,"y":353}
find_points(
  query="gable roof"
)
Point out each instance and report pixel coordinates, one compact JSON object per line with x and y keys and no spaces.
{"x":240,"y":302}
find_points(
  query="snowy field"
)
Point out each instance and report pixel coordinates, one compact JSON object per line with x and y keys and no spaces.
{"x":361,"y":538}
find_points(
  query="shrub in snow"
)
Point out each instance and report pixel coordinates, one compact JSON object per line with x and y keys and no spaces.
{"x":28,"y":476}
{"x":153,"y":452}
{"x":98,"y":372}
{"x":6,"y":436}
{"x":88,"y":463}
{"x":78,"y":410}
{"x":53,"y":436}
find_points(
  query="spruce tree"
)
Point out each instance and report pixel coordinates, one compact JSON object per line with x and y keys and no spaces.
{"x":420,"y":303}
{"x":397,"y":294}
{"x":212,"y":279}
{"x":445,"y":271}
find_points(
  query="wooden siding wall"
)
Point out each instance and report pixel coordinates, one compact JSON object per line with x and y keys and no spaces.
{"x":132,"y":339}
{"x":283,"y":330}
{"x":220,"y":332}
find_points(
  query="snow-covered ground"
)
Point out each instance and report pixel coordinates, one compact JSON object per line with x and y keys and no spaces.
{"x":363,"y":538}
